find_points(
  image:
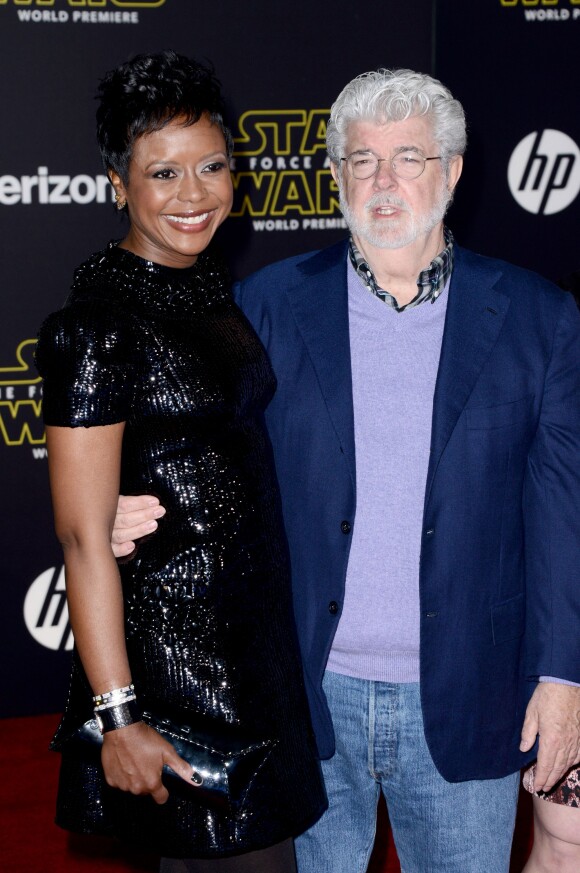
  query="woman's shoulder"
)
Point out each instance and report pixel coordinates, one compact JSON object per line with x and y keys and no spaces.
{"x":92,"y":326}
{"x":93,"y":306}
{"x":97,"y":279}
{"x":86,"y":352}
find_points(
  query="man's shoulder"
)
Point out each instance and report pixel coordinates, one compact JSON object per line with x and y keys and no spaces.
{"x":504,"y":276}
{"x":297,"y":267}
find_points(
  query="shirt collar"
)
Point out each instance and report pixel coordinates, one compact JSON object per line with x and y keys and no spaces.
{"x":430,"y":282}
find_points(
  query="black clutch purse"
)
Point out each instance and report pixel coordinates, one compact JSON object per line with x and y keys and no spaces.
{"x":225,"y":763}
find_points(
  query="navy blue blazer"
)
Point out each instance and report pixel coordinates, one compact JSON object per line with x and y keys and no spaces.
{"x":499,"y":593}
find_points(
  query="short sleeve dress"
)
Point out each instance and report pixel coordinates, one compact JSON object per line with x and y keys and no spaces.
{"x":208,"y":613}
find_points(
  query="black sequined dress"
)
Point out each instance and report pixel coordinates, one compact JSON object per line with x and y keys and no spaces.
{"x":208,"y":611}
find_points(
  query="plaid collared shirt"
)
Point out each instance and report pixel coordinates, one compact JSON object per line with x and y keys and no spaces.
{"x":430,"y":283}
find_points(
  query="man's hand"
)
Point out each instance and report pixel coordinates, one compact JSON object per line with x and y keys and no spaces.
{"x":554,"y":714}
{"x":136,"y":518}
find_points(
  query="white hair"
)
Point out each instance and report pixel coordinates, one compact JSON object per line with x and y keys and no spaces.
{"x":383,"y":95}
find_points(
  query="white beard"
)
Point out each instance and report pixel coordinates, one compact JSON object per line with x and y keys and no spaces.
{"x":393,"y":234}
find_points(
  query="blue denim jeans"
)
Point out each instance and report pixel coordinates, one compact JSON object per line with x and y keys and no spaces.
{"x":438,"y":826}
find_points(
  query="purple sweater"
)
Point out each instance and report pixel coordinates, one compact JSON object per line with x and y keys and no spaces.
{"x":395,"y":357}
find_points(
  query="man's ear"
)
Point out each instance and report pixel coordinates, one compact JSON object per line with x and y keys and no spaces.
{"x":334,"y":172}
{"x":455,"y":170}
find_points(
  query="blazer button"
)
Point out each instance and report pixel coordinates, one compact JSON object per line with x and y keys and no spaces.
{"x":345,"y":527}
{"x":333,"y":607}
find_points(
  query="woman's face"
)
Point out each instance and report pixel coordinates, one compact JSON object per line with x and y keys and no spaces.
{"x":179,"y":192}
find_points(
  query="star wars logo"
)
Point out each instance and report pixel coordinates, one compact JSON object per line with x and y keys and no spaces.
{"x":80,"y":11}
{"x":281,"y":173}
{"x":547,"y":10}
{"x":75,"y":4}
{"x":21,"y":402}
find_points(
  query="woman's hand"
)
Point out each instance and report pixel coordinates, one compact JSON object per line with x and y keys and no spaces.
{"x":133,"y":758}
{"x":84,"y":466}
{"x":135,"y":518}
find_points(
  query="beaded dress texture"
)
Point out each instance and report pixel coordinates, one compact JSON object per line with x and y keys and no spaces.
{"x":208,"y":612}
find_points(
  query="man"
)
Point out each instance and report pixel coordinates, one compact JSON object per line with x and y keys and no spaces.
{"x":426,"y":433}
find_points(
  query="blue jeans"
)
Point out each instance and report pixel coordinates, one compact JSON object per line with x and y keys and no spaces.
{"x":438,"y":826}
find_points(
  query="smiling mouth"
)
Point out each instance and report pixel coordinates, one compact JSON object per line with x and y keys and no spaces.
{"x":189,"y":219}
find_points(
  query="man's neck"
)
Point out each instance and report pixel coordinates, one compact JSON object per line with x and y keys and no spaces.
{"x":397,"y":270}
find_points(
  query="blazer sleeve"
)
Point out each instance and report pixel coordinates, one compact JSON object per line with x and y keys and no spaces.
{"x":552,"y":512}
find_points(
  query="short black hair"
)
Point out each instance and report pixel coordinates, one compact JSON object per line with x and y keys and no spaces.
{"x":147,"y":93}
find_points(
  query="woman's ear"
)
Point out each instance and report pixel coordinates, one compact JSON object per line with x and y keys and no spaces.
{"x":120,"y":192}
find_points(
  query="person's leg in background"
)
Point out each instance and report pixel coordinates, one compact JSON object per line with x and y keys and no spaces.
{"x":556,"y":846}
{"x":276,"y":859}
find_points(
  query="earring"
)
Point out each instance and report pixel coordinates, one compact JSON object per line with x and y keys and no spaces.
{"x":121,"y":203}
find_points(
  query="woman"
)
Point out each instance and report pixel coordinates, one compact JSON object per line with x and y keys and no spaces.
{"x":556,"y":825}
{"x":155,"y":383}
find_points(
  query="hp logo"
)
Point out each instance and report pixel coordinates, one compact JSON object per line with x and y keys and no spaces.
{"x":46,"y":611}
{"x":544,"y":172}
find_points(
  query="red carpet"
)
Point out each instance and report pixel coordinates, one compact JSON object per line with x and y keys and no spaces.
{"x":31,"y":843}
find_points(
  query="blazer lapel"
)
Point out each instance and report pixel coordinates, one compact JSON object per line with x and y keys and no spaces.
{"x":320,"y":307}
{"x":474,"y":319}
{"x":475,"y":315}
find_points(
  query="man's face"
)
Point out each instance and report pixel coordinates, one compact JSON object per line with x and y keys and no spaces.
{"x":386,"y":211}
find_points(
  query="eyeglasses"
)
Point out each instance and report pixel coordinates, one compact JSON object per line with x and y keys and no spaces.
{"x":405,"y":165}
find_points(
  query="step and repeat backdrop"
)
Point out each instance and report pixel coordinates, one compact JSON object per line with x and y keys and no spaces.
{"x":281,"y":66}
{"x":513,"y":65}
{"x":509,"y":61}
